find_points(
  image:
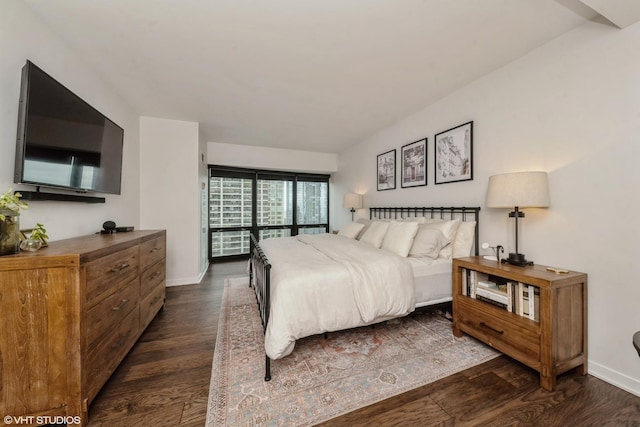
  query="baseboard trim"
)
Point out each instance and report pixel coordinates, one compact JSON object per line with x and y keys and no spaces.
{"x":188,"y":280}
{"x":615,"y":378}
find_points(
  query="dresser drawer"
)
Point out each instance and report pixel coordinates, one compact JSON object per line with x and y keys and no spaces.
{"x":151,"y":278}
{"x":508,"y":333}
{"x":107,"y":354}
{"x":151,"y":252}
{"x":110,"y":271}
{"x":106,"y":316}
{"x":150,"y":305}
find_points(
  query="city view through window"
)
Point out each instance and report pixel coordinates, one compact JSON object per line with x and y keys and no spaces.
{"x":283,"y":205}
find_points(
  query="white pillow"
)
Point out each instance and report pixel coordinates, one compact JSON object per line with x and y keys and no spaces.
{"x":375,"y":233}
{"x":366,"y":222}
{"x":448,"y":228}
{"x":463,"y":242}
{"x":351,"y":230}
{"x":427,"y":243}
{"x":399,"y":237}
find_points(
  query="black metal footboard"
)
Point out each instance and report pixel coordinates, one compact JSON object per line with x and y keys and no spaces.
{"x":259,"y":278}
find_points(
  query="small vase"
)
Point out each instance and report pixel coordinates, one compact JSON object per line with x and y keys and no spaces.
{"x":9,"y":232}
{"x":31,"y":245}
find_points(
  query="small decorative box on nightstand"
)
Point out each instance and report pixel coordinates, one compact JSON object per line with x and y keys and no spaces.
{"x":547,"y":332}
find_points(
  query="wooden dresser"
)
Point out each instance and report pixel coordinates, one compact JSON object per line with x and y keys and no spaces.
{"x":69,"y":314}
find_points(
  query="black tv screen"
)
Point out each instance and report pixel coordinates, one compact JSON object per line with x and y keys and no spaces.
{"x":62,"y":141}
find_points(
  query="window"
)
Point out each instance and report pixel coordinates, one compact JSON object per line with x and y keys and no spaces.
{"x":312,"y":209}
{"x":269,"y":204}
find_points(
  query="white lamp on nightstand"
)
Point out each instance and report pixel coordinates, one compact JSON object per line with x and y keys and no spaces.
{"x":518,"y":190}
{"x":352,"y":201}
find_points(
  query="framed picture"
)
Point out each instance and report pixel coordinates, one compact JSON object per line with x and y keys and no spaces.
{"x":414,"y":164}
{"x":386,"y":170}
{"x":454,"y":154}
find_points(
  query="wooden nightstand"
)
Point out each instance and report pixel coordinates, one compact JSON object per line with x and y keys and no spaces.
{"x":548,"y":335}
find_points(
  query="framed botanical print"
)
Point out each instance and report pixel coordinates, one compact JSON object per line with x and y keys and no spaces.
{"x":454,"y":154}
{"x":414,"y":164}
{"x":386,"y":170}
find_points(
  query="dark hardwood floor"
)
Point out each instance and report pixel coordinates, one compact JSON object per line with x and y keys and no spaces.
{"x":164,"y":381}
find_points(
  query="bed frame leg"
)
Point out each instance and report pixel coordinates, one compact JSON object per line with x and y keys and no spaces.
{"x":267,"y":368}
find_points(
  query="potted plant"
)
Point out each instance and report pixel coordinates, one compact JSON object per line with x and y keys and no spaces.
{"x":10,"y":205}
{"x":37,"y":239}
{"x":40,"y":233}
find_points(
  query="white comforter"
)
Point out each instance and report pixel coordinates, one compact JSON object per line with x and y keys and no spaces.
{"x":326,"y":282}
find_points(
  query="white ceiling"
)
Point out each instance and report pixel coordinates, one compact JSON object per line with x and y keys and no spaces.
{"x":311,"y":75}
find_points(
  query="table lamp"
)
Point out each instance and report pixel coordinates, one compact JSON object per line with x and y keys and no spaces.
{"x":518,"y":190}
{"x":352,"y":201}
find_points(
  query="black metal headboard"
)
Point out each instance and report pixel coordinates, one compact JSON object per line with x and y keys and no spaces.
{"x":447,"y":213}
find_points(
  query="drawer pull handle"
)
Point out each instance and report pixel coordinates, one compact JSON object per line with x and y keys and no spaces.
{"x":122,"y":304}
{"x":155,"y":300}
{"x":120,"y":267}
{"x":156,"y":274}
{"x":154,"y":250}
{"x":484,"y":325}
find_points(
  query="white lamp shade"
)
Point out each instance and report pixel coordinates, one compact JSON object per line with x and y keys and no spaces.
{"x":352,"y":200}
{"x":521,"y":189}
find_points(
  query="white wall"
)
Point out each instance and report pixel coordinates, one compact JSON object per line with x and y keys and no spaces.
{"x":170,"y":193}
{"x":246,"y":156}
{"x":22,"y":37}
{"x":572,"y":108}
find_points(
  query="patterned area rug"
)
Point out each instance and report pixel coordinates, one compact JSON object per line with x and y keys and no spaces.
{"x":325,"y":378}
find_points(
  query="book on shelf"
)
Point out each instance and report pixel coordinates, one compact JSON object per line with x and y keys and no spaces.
{"x":491,"y":301}
{"x":465,"y":281}
{"x":493,"y":294}
{"x":534,"y":303}
{"x":529,"y":301}
{"x":469,"y":278}
{"x":489,"y":288}
{"x":515,"y":297}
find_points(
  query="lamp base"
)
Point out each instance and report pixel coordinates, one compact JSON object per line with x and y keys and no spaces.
{"x":517,"y":259}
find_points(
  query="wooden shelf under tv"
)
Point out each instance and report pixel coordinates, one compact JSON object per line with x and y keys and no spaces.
{"x":60,"y":197}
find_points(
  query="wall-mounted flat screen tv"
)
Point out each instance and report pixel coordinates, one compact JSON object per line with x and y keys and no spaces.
{"x":63,"y":142}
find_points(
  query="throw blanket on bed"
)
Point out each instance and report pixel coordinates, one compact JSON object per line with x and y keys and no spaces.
{"x":326,"y":282}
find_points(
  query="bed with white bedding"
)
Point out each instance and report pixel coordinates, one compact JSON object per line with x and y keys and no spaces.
{"x":369,"y":272}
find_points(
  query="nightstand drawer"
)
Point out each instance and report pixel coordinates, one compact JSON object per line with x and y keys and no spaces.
{"x":502,"y":331}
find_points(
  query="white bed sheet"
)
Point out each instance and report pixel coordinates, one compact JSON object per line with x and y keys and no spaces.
{"x":432,"y":279}
{"x":325,"y":283}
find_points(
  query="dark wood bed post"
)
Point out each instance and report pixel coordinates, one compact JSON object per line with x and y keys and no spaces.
{"x":260,"y":279}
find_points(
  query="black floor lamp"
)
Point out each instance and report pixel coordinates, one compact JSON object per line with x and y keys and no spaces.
{"x":518,"y":190}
